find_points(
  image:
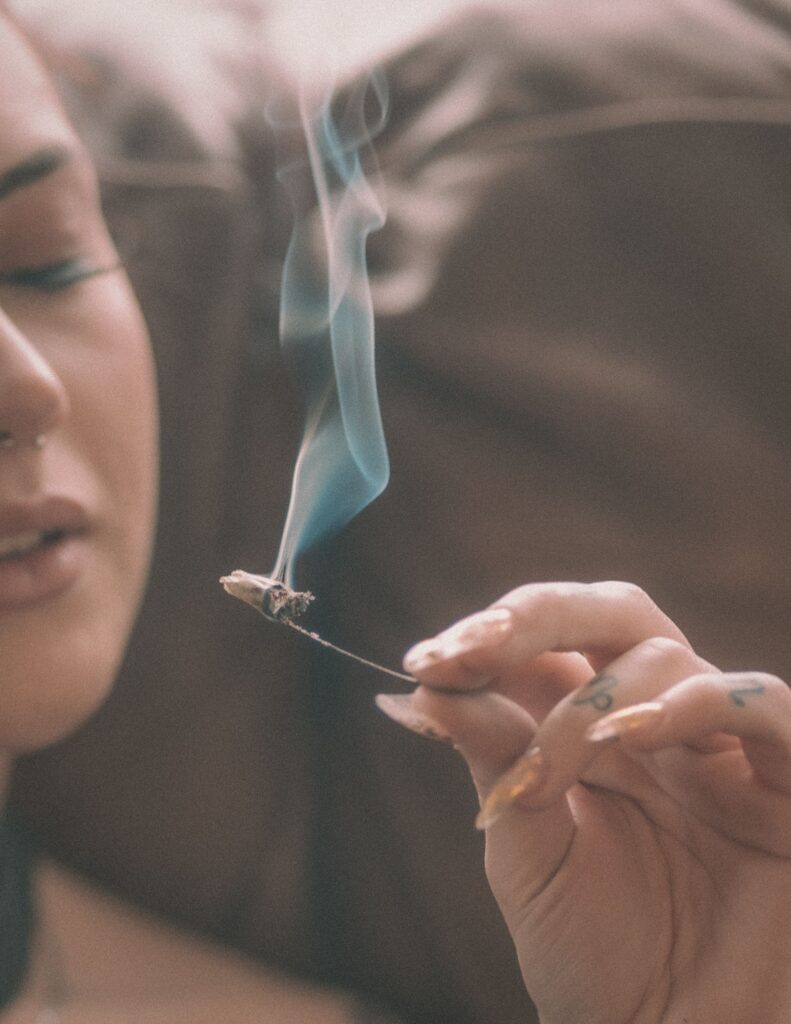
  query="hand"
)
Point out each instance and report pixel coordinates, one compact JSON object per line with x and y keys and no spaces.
{"x":640,"y":850}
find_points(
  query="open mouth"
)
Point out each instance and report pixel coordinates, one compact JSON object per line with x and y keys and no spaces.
{"x":43,"y":549}
{"x":19,"y":545}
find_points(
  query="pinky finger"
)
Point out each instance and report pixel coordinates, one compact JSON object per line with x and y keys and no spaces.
{"x":753,"y":707}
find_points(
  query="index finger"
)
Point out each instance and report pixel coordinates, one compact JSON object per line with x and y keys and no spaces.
{"x":600,"y":621}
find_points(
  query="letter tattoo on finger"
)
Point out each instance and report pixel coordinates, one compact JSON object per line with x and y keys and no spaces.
{"x":596,"y":693}
{"x":738,"y":695}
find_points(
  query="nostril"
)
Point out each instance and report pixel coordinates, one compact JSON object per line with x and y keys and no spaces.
{"x":33,"y":398}
{"x":8,"y":440}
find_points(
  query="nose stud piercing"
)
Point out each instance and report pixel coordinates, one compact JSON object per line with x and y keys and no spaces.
{"x":7,"y":440}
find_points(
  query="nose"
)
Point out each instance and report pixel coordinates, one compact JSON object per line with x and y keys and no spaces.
{"x":33,"y":399}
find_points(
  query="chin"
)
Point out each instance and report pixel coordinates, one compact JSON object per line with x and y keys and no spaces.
{"x":55,"y":711}
{"x":59,"y":656}
{"x":58,"y":675}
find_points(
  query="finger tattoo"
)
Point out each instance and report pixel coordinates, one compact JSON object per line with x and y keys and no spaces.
{"x":597,"y":692}
{"x":738,"y":694}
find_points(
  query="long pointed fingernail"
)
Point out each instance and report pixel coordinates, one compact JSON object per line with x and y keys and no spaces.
{"x":488,"y":628}
{"x":637,"y":718}
{"x":400,"y":707}
{"x":522,"y":779}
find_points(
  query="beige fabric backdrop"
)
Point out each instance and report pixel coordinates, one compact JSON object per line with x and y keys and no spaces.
{"x":584,"y":300}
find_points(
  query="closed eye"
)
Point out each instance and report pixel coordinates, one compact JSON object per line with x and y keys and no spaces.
{"x":55,"y":277}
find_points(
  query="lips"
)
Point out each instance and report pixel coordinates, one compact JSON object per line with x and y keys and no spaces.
{"x":42,"y":549}
{"x":18,"y":545}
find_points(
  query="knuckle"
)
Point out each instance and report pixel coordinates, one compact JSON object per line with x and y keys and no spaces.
{"x":665,"y":650}
{"x":771,"y":681}
{"x":523,"y":596}
{"x":549,"y":597}
{"x":764,"y":681}
{"x":541,"y":599}
{"x":624,"y":592}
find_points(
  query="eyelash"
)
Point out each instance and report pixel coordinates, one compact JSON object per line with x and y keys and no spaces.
{"x":55,"y":277}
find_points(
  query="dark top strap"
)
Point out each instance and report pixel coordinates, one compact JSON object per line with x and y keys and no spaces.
{"x":16,"y":908}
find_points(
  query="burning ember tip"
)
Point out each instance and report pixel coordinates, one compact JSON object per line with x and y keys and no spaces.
{"x":271,"y":597}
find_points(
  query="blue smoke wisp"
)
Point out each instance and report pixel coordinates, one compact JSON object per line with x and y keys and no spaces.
{"x":327,"y":331}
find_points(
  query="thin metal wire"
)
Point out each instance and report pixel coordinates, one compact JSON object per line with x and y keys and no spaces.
{"x":339,"y":650}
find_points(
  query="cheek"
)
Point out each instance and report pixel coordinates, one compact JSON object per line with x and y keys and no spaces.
{"x":106,"y":454}
{"x":113,"y":428}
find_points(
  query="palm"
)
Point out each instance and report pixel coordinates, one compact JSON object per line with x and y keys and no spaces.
{"x":654,"y":903}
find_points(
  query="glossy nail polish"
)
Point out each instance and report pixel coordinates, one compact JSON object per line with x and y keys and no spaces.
{"x":423,"y":656}
{"x":523,"y":778}
{"x":634,"y":719}
{"x":485,"y":629}
{"x":400,"y":708}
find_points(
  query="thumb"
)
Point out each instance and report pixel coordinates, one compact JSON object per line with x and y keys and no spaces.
{"x":524,"y":846}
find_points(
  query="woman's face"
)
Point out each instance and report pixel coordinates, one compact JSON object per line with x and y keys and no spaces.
{"x":76,"y":514}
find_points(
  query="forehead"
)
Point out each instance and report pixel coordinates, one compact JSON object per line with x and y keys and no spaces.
{"x":30,"y":115}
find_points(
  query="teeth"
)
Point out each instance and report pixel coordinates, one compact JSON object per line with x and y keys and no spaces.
{"x":19,"y":543}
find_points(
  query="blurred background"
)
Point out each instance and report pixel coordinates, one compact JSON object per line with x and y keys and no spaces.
{"x":582,"y":303}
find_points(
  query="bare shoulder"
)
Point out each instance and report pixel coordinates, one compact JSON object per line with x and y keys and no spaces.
{"x":119,"y":965}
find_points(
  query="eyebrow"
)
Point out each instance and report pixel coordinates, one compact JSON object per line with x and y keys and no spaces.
{"x":33,"y":169}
